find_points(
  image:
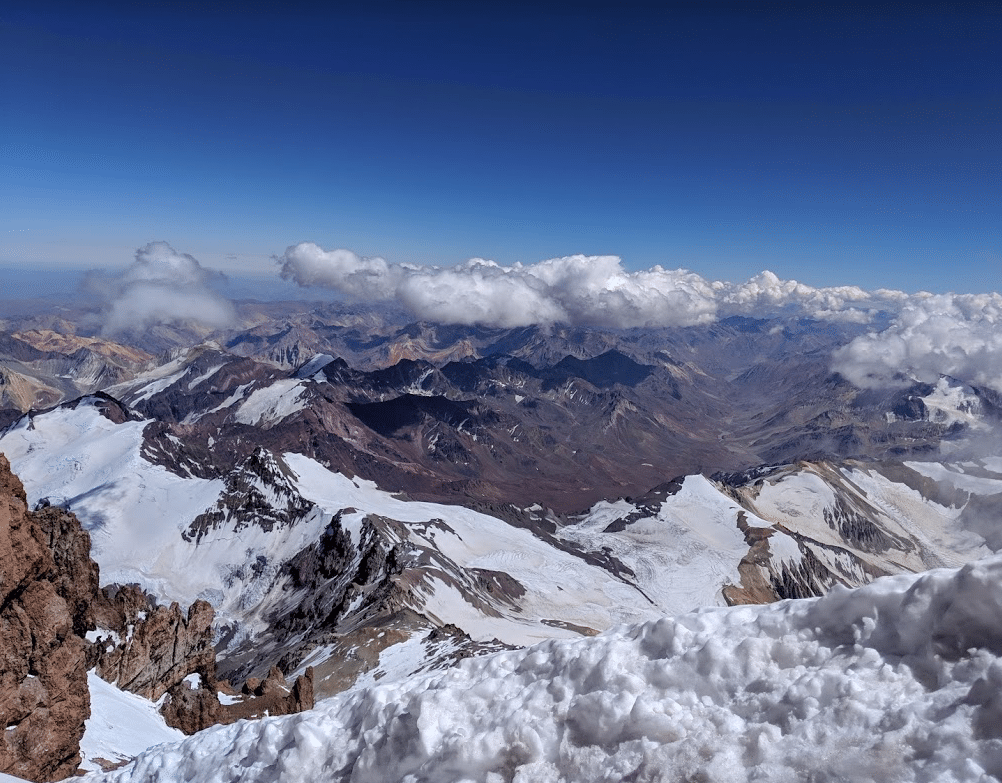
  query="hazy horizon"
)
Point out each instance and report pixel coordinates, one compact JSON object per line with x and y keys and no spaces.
{"x":848,"y":145}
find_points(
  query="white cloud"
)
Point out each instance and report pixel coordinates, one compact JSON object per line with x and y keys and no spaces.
{"x":959,"y":335}
{"x":949,"y":334}
{"x":584,"y":290}
{"x":161,"y":286}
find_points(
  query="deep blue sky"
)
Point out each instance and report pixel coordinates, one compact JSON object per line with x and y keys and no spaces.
{"x":832,"y":143}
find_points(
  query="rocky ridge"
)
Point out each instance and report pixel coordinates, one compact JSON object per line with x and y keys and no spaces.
{"x":496,"y":428}
{"x":46,"y":580}
{"x":56,"y":624}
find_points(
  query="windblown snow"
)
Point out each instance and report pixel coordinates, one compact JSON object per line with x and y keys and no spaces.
{"x":895,"y":681}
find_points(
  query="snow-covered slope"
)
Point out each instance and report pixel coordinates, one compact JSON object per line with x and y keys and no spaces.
{"x":121,"y":725}
{"x":792,"y":531}
{"x":134,"y":510}
{"x":896,"y":681}
{"x":306,"y":566}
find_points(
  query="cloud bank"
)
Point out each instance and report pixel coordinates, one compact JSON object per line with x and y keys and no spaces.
{"x":930,"y":335}
{"x":949,"y":334}
{"x":162,"y":286}
{"x":579,"y":290}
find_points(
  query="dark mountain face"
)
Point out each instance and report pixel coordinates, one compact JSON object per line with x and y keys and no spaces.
{"x":528,"y":426}
{"x":605,"y":371}
{"x":607,"y":415}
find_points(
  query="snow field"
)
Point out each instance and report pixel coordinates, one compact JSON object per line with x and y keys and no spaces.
{"x":949,"y":404}
{"x":135,"y":511}
{"x":270,"y":404}
{"x":895,"y":681}
{"x":951,"y":475}
{"x":559,"y":585}
{"x":120,"y":725}
{"x":683,"y":555}
{"x":798,"y":501}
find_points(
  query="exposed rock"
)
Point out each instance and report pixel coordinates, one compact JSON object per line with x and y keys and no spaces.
{"x":158,"y":645}
{"x":154,"y":650}
{"x":50,"y":601}
{"x":44,"y":699}
{"x":258,"y":492}
{"x":192,"y":707}
{"x":273,"y":696}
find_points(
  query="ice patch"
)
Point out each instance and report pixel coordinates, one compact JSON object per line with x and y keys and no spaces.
{"x":204,"y":376}
{"x":314,"y":365}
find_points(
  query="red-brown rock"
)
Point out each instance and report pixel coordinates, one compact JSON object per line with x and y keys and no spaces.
{"x":45,"y":575}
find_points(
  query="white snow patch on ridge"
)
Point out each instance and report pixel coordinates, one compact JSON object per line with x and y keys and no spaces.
{"x":683,"y":555}
{"x":559,"y":585}
{"x":895,"y":681}
{"x":948,"y":404}
{"x":272,"y":403}
{"x":151,"y":382}
{"x":951,"y":474}
{"x":314,"y":365}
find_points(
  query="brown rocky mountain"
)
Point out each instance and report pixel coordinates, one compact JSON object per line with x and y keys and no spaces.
{"x":55,"y":624}
{"x":529,"y":426}
{"x":558,"y":415}
{"x":40,"y":367}
{"x":562,"y":417}
{"x":46,"y":582}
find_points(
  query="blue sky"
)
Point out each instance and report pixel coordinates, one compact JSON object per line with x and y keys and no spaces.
{"x":831,"y":143}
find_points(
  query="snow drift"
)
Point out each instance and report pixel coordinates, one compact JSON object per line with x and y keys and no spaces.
{"x":895,"y":681}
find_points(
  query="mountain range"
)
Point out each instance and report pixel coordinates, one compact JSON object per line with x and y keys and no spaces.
{"x":367,"y":500}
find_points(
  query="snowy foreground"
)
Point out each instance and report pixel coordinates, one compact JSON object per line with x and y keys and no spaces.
{"x":899,"y":680}
{"x":121,"y":725}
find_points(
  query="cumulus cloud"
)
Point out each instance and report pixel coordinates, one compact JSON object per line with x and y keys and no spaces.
{"x":929,"y":336}
{"x":581,"y":290}
{"x":161,"y":286}
{"x":950,"y":334}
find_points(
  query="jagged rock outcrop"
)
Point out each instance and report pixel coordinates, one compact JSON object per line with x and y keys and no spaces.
{"x":258,"y":492}
{"x":51,"y":604}
{"x":193,"y":706}
{"x":153,"y":650}
{"x":45,"y":577}
{"x":154,"y":647}
{"x":272,"y":694}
